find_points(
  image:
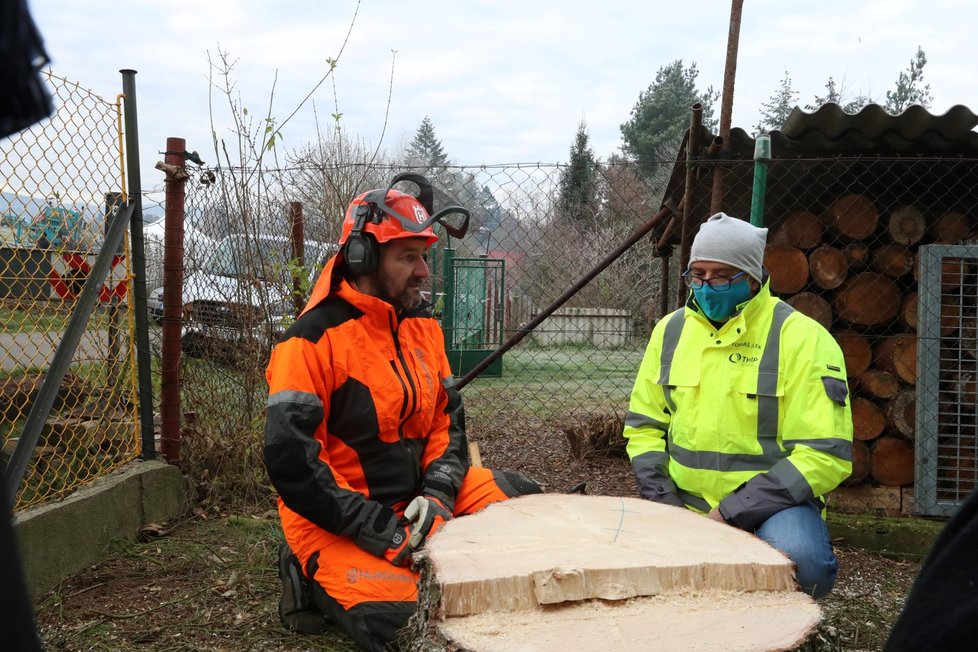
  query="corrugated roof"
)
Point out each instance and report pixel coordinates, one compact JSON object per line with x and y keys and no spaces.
{"x":830,"y":130}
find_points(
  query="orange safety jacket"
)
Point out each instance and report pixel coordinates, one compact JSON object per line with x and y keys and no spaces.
{"x":362,"y":415}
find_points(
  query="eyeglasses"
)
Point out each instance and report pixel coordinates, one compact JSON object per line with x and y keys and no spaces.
{"x":718,"y":283}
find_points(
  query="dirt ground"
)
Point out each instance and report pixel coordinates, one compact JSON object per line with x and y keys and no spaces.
{"x":208,"y":581}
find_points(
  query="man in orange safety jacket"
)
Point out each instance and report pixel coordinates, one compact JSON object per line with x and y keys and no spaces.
{"x":365,"y":434}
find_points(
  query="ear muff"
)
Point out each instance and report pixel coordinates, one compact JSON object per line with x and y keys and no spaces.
{"x":360,"y":250}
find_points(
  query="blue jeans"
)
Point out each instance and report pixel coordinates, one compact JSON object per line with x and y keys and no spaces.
{"x":801,"y":534}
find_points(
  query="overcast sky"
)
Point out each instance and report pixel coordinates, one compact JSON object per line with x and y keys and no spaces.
{"x":502,"y":81}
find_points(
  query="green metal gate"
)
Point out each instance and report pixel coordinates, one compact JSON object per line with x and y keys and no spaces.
{"x":474,"y":311}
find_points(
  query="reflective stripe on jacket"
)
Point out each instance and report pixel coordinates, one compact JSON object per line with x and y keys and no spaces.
{"x":752,"y":417}
{"x":360,"y":415}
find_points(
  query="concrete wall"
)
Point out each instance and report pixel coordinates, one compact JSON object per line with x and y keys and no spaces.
{"x":599,"y":327}
{"x":59,"y":539}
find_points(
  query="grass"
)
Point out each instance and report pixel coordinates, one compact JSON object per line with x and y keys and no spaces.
{"x":208,"y":583}
{"x":47,"y":317}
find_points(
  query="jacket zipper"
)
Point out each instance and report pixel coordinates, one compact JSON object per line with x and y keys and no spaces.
{"x":410,"y":391}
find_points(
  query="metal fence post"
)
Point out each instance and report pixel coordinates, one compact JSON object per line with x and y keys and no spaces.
{"x":135,"y":197}
{"x":298,"y":255}
{"x":173,"y":259}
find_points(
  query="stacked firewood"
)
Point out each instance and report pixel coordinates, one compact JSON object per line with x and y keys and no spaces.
{"x":855,"y":271}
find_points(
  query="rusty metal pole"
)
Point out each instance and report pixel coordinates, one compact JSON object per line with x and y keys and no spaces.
{"x":689,"y":220}
{"x":173,"y":261}
{"x":726,"y":101}
{"x":298,"y":254}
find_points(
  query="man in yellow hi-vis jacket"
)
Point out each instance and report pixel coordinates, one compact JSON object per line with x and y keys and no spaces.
{"x":740,"y":407}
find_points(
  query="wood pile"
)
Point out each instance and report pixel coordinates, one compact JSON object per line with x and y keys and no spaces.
{"x":854,"y":269}
{"x":572,"y":572}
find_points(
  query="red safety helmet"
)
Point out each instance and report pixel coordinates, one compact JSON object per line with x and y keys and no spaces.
{"x":381,"y":224}
{"x":379,"y":216}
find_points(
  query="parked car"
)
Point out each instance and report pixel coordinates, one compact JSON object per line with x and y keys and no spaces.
{"x":240,"y":300}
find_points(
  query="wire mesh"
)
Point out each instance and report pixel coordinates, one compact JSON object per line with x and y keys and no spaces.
{"x":60,"y":179}
{"x":844,"y":247}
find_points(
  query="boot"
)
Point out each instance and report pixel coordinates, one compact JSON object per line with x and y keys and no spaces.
{"x":296,"y":609}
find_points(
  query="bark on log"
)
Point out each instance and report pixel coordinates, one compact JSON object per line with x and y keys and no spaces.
{"x":894,"y":260}
{"x":853,"y":216}
{"x":898,"y":355}
{"x":813,"y":305}
{"x":860,"y":464}
{"x":951,"y":228}
{"x":857,"y":352}
{"x":868,"y":299}
{"x":857,"y":255}
{"x":788,"y":267}
{"x":906,"y":225}
{"x":800,"y":229}
{"x":867,"y":420}
{"x":891,"y":461}
{"x":878,"y":383}
{"x":828,"y":267}
{"x":908,"y":311}
{"x":527,"y":590}
{"x":900,"y":412}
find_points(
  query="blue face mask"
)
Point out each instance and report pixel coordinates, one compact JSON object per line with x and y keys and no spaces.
{"x":718,"y":305}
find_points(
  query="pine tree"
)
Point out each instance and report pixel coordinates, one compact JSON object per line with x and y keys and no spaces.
{"x":838,"y":95}
{"x":776,"y":110}
{"x":661,"y":116}
{"x":425,"y":150}
{"x":579,"y":180}
{"x":909,"y":87}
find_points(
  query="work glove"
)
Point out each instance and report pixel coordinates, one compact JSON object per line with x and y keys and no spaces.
{"x":425,"y":514}
{"x":399,"y":550}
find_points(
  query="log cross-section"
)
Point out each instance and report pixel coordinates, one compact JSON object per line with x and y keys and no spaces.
{"x":853,"y":216}
{"x":507,"y":578}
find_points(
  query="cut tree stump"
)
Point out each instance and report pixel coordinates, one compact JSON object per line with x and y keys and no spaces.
{"x":853,"y":216}
{"x":857,"y":255}
{"x":878,"y":383}
{"x":906,"y":225}
{"x":908,"y":311}
{"x":868,"y":299}
{"x":813,"y":305}
{"x":506,"y":579}
{"x":828,"y":267}
{"x":951,"y":228}
{"x":898,"y":355}
{"x":900,"y":412}
{"x":860,"y":463}
{"x":800,"y":229}
{"x":867,"y":420}
{"x":894,"y":260}
{"x":857,"y":351}
{"x":788,"y":267}
{"x":891,"y":461}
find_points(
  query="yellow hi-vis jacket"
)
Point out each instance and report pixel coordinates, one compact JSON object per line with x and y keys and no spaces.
{"x":752,"y":416}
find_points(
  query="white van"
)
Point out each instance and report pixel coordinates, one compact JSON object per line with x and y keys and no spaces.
{"x":241,"y":298}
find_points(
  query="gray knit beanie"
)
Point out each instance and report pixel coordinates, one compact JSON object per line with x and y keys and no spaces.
{"x":729,"y":240}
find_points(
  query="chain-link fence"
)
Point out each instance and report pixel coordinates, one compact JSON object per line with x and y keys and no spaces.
{"x":60,"y":179}
{"x":846,"y":247}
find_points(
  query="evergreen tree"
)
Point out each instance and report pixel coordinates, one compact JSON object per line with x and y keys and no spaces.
{"x":425,"y":150}
{"x":661,"y":116}
{"x":909,"y":87}
{"x":776,"y":110}
{"x":838,"y":95}
{"x":579,"y":180}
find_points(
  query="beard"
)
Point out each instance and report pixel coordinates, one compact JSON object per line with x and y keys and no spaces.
{"x":405,"y":298}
